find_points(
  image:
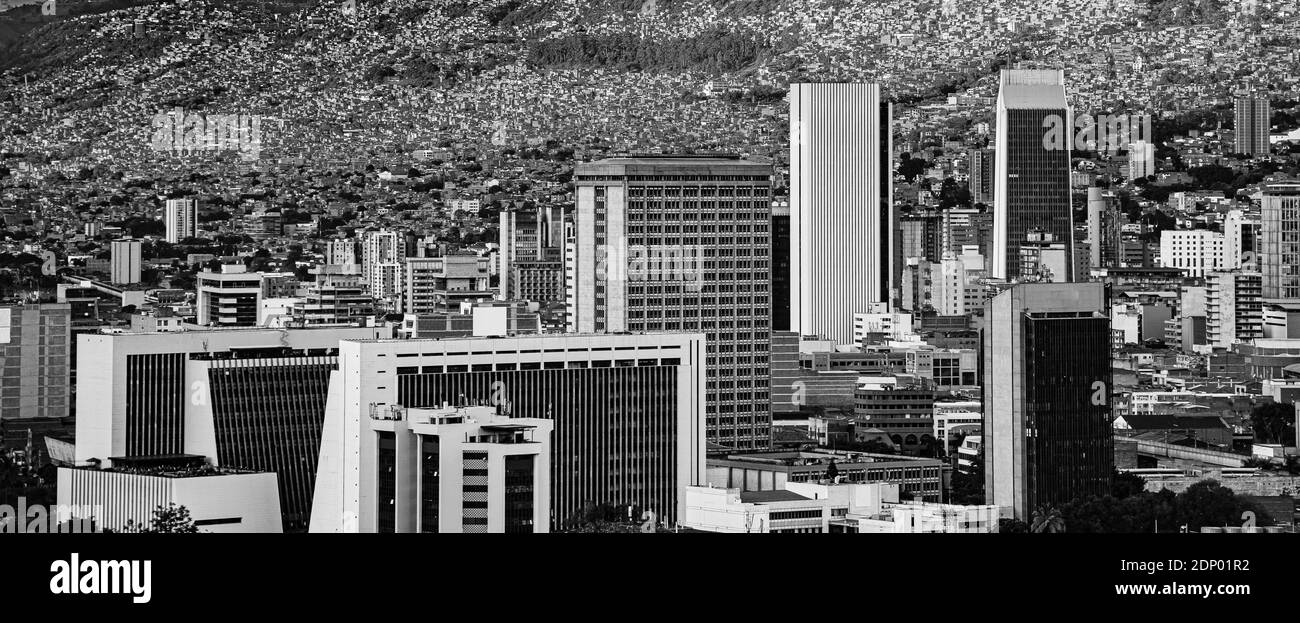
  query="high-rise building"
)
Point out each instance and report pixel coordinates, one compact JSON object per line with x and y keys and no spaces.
{"x":981,"y":176}
{"x":683,"y":244}
{"x":437,"y":285}
{"x":842,"y":221}
{"x":525,"y":235}
{"x":919,"y":235}
{"x":1279,"y":243}
{"x":251,"y":399}
{"x":181,"y":217}
{"x":1197,"y":252}
{"x":230,"y":298}
{"x":1104,"y":227}
{"x":1047,"y":396}
{"x":1032,"y":184}
{"x":35,"y":361}
{"x":1141,"y":160}
{"x":1241,"y":240}
{"x":967,"y":227}
{"x":383,"y":254}
{"x":1234,"y":309}
{"x":781,"y":265}
{"x":126,"y":261}
{"x":341,"y":252}
{"x":626,"y":413}
{"x":1252,"y":126}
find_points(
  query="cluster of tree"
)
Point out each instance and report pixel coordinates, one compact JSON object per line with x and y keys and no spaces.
{"x":718,"y":51}
{"x":1274,"y":422}
{"x":170,"y":519}
{"x":758,"y":96}
{"x":1206,"y":503}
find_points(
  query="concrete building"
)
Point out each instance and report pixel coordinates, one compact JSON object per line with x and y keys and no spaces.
{"x":230,"y":298}
{"x":828,"y":508}
{"x":337,"y":296}
{"x":35,"y":361}
{"x":219,"y":500}
{"x":627,"y":415}
{"x":1241,"y":234}
{"x":1141,"y":160}
{"x":383,"y":254}
{"x":1047,"y":396}
{"x":1032,"y":181}
{"x":1197,"y":252}
{"x":714,"y":276}
{"x":773,"y":471}
{"x":181,"y":217}
{"x":526,"y":235}
{"x":1103,"y":229}
{"x":125,"y":257}
{"x":1252,"y":126}
{"x":245,"y":398}
{"x":1233,"y":308}
{"x":1279,"y":243}
{"x":456,"y":470}
{"x":842,"y":240}
{"x":438,"y":285}
{"x":981,"y":176}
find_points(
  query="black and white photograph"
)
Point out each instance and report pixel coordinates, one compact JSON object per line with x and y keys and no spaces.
{"x":674,"y":267}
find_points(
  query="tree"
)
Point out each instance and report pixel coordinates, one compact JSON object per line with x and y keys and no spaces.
{"x":1125,"y":484}
{"x":1012,"y":526}
{"x":1274,"y":422}
{"x":172,"y":519}
{"x":1047,"y":520}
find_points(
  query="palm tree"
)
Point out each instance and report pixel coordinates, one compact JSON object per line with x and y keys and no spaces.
{"x":1047,"y":519}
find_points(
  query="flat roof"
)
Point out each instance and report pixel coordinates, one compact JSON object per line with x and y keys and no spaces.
{"x":767,"y":497}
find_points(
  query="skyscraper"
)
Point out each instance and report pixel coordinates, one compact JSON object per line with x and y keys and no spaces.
{"x":35,"y":361}
{"x":781,"y":266}
{"x":1032,"y":181}
{"x":182,"y":219}
{"x":683,"y":244}
{"x":1252,"y":125}
{"x":1104,"y":231}
{"x":1047,"y":396}
{"x":125,"y":258}
{"x":842,"y":221}
{"x":1279,"y":243}
{"x":981,"y":176}
{"x":383,"y":253}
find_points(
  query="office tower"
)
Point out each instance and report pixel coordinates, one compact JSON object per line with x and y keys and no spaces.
{"x":682,"y":244}
{"x":230,"y":298}
{"x":251,"y":399}
{"x":570,"y":276}
{"x":336,"y":297}
{"x":341,"y":252}
{"x":1141,"y":160}
{"x":525,"y":235}
{"x":1032,"y":185}
{"x":1279,"y":248}
{"x":1104,"y":230}
{"x":967,"y":227}
{"x":1252,"y":126}
{"x":1047,"y":396}
{"x":1234,"y":308}
{"x":35,"y":361}
{"x":539,"y":281}
{"x":841,"y":206}
{"x":981,"y":176}
{"x":781,"y":265}
{"x":626,"y":410}
{"x":1197,"y":252}
{"x":472,"y":470}
{"x":919,"y":236}
{"x":182,"y":219}
{"x":383,"y":254}
{"x":948,"y":286}
{"x":440,"y":284}
{"x":788,"y":393}
{"x":126,"y":261}
{"x":1241,"y":240}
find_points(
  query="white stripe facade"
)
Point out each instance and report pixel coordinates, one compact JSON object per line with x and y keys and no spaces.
{"x":841,"y":208}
